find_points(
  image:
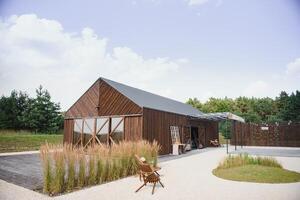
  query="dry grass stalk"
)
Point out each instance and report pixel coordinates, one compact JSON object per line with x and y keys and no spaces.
{"x":244,"y":159}
{"x":66,"y":168}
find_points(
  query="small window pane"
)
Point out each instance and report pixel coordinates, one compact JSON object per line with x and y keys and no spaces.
{"x":100,"y":122}
{"x":117,"y":124}
{"x":77,"y":130}
{"x":88,"y":126}
{"x":78,"y":125}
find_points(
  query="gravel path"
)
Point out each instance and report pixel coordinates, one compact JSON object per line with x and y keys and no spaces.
{"x":186,"y":178}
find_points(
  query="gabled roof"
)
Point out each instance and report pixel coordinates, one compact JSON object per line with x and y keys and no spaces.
{"x":149,"y":100}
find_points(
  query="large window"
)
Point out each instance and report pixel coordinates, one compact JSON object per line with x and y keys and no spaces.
{"x":117,"y":128}
{"x":88,"y":127}
{"x":77,"y":130}
{"x":102,"y":129}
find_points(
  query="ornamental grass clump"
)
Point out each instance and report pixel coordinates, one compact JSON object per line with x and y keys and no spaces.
{"x":81,"y":172}
{"x":66,"y":168}
{"x":47,"y":174}
{"x":91,"y":166}
{"x":59,"y":171}
{"x":70,"y":156}
{"x":244,"y":159}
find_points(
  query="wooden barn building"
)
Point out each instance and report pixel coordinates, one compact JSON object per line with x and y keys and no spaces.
{"x":109,"y":112}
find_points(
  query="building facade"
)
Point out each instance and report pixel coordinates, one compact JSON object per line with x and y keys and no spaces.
{"x":109,"y":112}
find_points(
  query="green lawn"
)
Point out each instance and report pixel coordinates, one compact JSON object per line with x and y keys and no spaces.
{"x":258,"y":174}
{"x":11,"y":141}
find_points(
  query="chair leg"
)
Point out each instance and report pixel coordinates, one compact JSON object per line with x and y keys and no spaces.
{"x":161,"y":184}
{"x":140,"y":187}
{"x":153,"y":188}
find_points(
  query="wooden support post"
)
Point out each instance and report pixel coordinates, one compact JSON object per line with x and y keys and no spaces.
{"x":205,"y":136}
{"x":182,"y":134}
{"x":242,"y":134}
{"x":94,"y":132}
{"x":226,"y":130}
{"x":109,"y":132}
{"x":81,"y":135}
{"x":233,"y":128}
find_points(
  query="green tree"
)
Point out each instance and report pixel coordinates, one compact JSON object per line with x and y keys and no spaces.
{"x":289,"y":106}
{"x":43,"y":115}
{"x":285,"y":107}
{"x":12,"y":109}
{"x":195,"y":103}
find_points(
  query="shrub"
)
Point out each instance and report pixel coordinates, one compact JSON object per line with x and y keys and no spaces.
{"x":244,"y":159}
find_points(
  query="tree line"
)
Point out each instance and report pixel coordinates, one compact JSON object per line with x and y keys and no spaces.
{"x":39,"y":114}
{"x":285,"y":107}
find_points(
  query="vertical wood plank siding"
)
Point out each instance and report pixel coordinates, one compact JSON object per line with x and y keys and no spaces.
{"x":112,"y":102}
{"x":133,"y":128}
{"x":207,"y":130}
{"x":282,"y":134}
{"x":156,"y":126}
{"x":212,"y":132}
{"x":68,"y":130}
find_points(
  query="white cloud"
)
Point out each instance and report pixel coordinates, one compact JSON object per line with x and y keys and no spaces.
{"x":257,"y":89}
{"x":293,"y":68}
{"x":197,"y":2}
{"x":37,"y":51}
{"x":202,"y":2}
{"x":183,"y":60}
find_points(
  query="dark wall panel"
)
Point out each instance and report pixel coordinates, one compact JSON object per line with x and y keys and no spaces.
{"x":156,"y":126}
{"x":283,"y":134}
{"x":112,"y":102}
{"x":133,"y":128}
{"x":207,"y":130}
{"x":68,"y":130}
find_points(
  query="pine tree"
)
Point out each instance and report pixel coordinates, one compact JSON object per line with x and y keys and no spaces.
{"x":43,"y":114}
{"x":11,"y":110}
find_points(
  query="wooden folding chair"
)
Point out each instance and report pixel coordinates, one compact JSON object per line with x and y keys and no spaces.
{"x":140,"y":162}
{"x":149,"y":176}
{"x":215,"y":143}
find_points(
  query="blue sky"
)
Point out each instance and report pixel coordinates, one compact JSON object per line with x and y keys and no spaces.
{"x":176,"y":48}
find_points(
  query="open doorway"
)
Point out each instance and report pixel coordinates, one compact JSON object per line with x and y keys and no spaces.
{"x":194,"y":137}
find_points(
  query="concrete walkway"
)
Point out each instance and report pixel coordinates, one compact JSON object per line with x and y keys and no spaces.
{"x":186,"y":178}
{"x":268,"y":151}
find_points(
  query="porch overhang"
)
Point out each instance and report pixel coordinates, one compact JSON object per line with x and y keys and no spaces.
{"x":220,"y":116}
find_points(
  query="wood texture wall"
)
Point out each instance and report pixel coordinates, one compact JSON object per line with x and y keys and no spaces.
{"x":249,"y":134}
{"x":207,"y":130}
{"x":156,"y":126}
{"x":112,"y":102}
{"x":68,"y":130}
{"x":133,"y":128}
{"x":102,"y":100}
